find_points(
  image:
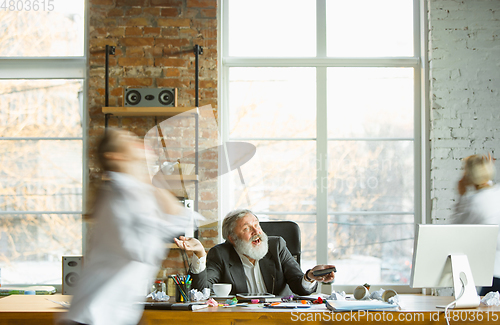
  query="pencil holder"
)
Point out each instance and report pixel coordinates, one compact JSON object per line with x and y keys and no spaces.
{"x":171,"y":287}
{"x":184,"y":295}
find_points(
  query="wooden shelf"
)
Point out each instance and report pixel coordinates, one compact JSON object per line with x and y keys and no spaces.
{"x":185,"y":178}
{"x":175,"y":183}
{"x":146,"y":111}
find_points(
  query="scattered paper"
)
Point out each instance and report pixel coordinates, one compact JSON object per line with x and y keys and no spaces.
{"x":212,"y":303}
{"x":491,"y":299}
{"x":357,"y":305}
{"x":196,"y":307}
{"x":336,"y":295}
{"x":158,"y":296}
{"x":377,"y":295}
{"x":62,"y":303}
{"x":198,"y":296}
{"x":394,"y":300}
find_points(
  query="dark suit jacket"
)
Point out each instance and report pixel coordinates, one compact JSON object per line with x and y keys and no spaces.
{"x":280,"y":271}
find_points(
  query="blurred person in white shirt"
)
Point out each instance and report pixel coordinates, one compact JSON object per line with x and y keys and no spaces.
{"x":479,"y":202}
{"x":132,"y":220}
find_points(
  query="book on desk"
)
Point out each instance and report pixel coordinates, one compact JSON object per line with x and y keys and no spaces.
{"x":173,"y":306}
{"x":22,"y":290}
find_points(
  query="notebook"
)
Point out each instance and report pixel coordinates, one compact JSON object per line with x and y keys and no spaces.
{"x":348,"y":305}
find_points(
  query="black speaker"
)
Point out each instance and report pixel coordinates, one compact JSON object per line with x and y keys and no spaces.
{"x":71,"y":272}
{"x":151,"y":97}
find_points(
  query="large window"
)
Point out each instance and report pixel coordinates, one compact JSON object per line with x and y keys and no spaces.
{"x":327,"y":90}
{"x":42,"y":82}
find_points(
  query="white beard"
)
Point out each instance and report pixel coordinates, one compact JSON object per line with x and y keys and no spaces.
{"x":246,"y":248}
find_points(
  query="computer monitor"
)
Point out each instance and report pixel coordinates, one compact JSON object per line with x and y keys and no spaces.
{"x":458,"y":256}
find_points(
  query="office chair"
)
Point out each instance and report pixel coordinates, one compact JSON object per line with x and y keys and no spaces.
{"x":289,"y":231}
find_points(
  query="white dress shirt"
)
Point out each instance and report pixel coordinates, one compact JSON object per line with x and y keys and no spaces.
{"x":255,"y":282}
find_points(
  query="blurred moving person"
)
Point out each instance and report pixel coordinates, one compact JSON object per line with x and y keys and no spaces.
{"x":133,"y":219}
{"x":481,"y":204}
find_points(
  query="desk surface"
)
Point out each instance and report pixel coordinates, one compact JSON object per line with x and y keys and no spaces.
{"x":18,"y":309}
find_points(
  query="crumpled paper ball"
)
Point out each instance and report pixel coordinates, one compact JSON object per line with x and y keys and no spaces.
{"x":377,"y":294}
{"x":492,"y":298}
{"x":158,"y":296}
{"x":389,"y":296}
{"x":336,"y":295}
{"x":198,"y":296}
{"x":394,"y":300}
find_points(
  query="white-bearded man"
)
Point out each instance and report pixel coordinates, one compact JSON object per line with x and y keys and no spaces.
{"x":250,"y":260}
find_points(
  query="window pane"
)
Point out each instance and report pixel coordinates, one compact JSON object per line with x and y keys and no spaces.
{"x":42,"y":32}
{"x":367,"y":28}
{"x":370,"y":176}
{"x":371,"y":249}
{"x":31,"y":246}
{"x":307,"y":225}
{"x":272,"y":28}
{"x":280,"y":177}
{"x":272,"y":102}
{"x":41,"y":175}
{"x":370,"y":102}
{"x":41,"y":108}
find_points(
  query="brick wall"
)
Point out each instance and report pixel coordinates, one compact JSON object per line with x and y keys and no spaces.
{"x":154,"y":42}
{"x":464,"y":59}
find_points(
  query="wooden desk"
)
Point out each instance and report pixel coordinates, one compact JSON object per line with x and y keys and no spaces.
{"x":417,"y":308}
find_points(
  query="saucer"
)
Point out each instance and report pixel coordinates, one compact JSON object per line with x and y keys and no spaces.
{"x":222,"y":297}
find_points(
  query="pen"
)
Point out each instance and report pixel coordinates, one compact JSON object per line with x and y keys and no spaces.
{"x":253,"y":301}
{"x":177,"y":282}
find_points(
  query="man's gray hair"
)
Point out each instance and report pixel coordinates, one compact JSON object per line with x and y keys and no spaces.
{"x":230,"y":221}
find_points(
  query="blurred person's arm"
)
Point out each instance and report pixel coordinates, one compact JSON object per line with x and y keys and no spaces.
{"x":467,"y":211}
{"x":168,"y":203}
{"x":128,"y":226}
{"x":178,"y":217}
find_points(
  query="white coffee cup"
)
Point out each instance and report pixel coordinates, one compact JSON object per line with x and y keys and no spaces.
{"x":361,"y":292}
{"x":222,"y":289}
{"x":388,"y":294}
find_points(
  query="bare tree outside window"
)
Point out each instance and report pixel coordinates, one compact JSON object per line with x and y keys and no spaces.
{"x":41,"y":147}
{"x":370,"y":180}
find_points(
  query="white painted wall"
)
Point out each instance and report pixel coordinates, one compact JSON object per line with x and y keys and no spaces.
{"x":464,"y":62}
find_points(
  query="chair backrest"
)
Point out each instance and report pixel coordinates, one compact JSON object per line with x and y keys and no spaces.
{"x":289,"y":231}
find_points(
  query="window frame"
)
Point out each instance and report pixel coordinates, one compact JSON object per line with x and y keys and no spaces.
{"x":70,"y":67}
{"x":321,"y":62}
